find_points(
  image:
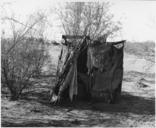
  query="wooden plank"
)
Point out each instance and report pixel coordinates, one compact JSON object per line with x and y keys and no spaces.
{"x":118,"y":42}
{"x":73,"y":36}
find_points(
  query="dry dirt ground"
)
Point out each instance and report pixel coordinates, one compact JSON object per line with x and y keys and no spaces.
{"x":135,"y":109}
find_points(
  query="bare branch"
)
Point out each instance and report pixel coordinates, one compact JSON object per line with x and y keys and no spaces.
{"x":20,"y":37}
{"x":87,"y":18}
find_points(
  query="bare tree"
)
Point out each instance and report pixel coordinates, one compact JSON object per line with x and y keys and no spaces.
{"x":22,"y":56}
{"x":88,"y":18}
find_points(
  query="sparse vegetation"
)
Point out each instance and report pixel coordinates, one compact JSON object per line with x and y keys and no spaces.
{"x":88,"y":18}
{"x":21,"y":64}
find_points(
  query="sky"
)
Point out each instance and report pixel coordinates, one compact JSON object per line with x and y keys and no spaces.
{"x":138,"y":18}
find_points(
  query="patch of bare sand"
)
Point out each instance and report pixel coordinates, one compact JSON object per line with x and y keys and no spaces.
{"x":138,"y":64}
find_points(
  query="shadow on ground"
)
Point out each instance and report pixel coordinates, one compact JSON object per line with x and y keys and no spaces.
{"x":137,"y":109}
{"x":128,"y":104}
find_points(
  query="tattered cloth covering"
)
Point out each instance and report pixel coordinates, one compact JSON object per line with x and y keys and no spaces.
{"x":106,"y":61}
{"x":70,"y":80}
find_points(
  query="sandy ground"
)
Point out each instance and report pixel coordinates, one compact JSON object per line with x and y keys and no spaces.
{"x":138,"y":64}
{"x":135,"y":109}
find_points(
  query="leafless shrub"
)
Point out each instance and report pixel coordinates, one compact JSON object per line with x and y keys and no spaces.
{"x":21,"y":64}
{"x":88,"y":18}
{"x":23,"y":55}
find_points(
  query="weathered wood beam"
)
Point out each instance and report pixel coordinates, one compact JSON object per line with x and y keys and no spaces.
{"x":74,"y":36}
